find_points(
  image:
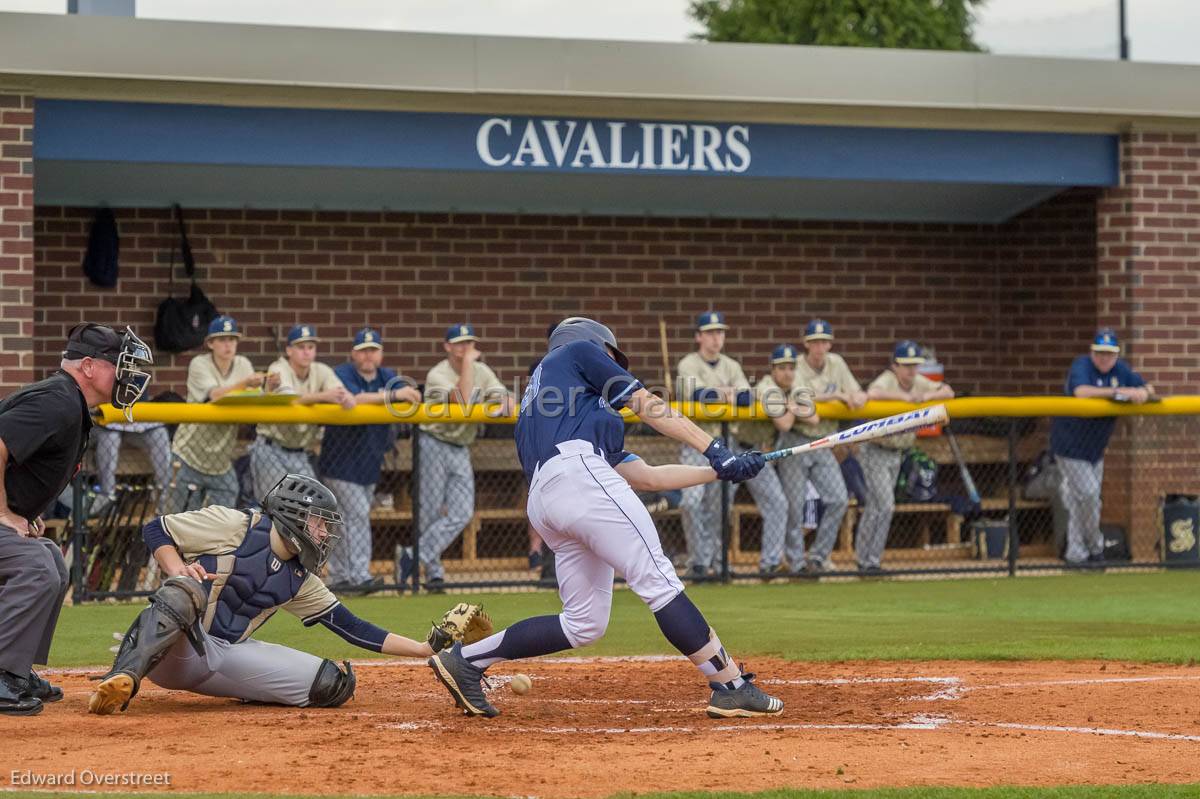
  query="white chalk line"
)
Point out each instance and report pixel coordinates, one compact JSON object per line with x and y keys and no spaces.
{"x":927,"y":723}
{"x":1089,"y":681}
{"x":1158,"y":736}
{"x":954,"y":689}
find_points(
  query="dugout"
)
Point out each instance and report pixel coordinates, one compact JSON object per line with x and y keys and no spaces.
{"x":998,"y":208}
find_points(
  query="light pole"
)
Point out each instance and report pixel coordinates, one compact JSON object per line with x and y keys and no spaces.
{"x":1122,"y":30}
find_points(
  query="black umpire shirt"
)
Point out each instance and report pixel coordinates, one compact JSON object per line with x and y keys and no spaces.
{"x":45,"y":427}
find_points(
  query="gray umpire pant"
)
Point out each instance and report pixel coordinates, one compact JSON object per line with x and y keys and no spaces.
{"x":1079,"y":487}
{"x":350,"y":560}
{"x":822,"y":470}
{"x":447,"y":497}
{"x":196,"y":489}
{"x":772,"y":503}
{"x":269,"y":463}
{"x":155,"y":442}
{"x":255,"y":671}
{"x":700,"y":512}
{"x":33,"y":585}
{"x":881,"y":467}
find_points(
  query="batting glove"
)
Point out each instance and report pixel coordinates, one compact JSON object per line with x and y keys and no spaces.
{"x":734,"y":468}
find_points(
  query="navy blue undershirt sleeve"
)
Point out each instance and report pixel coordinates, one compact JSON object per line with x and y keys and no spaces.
{"x":706,"y":395}
{"x":359,"y":632}
{"x":744,"y":398}
{"x":155,"y":536}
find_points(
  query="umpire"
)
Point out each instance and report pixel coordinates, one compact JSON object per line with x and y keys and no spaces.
{"x":44,"y":431}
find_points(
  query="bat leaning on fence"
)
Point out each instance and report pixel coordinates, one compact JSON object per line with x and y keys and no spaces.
{"x":963,"y":471}
{"x":868,"y":431}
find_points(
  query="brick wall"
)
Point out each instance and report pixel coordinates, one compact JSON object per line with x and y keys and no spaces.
{"x":16,"y":241}
{"x":1148,"y":261}
{"x":1005,"y":306}
{"x":1148,"y":257}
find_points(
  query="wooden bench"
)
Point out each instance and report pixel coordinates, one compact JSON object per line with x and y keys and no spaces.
{"x":506,"y":504}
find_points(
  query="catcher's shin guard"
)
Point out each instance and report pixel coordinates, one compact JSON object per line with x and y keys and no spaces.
{"x":332,"y":687}
{"x":175,"y":609}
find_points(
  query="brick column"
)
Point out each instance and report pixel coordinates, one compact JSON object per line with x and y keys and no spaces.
{"x":1148,"y":235}
{"x":16,"y":241}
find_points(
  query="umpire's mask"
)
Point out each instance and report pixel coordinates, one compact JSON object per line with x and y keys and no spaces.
{"x":131,"y":380}
{"x":124,"y":350}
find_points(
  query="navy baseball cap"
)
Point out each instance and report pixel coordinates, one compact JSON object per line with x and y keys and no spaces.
{"x":818,"y":330}
{"x":908,"y":352}
{"x":784,"y":353}
{"x":1105,"y":341}
{"x":302,"y":333}
{"x":223,"y":325}
{"x":457,"y":333}
{"x":368,"y":339}
{"x":711,"y":320}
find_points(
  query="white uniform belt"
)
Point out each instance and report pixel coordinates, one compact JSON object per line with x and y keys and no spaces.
{"x":576,"y":446}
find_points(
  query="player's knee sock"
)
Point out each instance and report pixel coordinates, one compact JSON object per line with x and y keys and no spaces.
{"x":685,"y":627}
{"x":539,"y":635}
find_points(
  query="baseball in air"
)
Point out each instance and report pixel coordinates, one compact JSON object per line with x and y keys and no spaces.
{"x":520,"y":684}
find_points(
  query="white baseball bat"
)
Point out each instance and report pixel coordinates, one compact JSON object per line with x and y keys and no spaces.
{"x":877,"y":428}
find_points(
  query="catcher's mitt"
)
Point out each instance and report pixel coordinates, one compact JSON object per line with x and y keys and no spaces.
{"x":463,"y":622}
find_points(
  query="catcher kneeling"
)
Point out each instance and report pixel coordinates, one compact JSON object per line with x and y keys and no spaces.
{"x":228,"y":572}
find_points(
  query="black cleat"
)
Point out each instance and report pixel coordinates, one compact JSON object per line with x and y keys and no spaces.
{"x":38,"y":688}
{"x":744,"y":702}
{"x":13,"y":699}
{"x":463,"y":680}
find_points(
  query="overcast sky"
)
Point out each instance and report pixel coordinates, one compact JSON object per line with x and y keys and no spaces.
{"x":1159,"y":30}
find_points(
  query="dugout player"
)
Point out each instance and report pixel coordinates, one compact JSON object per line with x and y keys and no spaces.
{"x":447,"y":481}
{"x":1078,"y":444}
{"x":880,"y":459}
{"x":281,"y":449}
{"x":768,"y":492}
{"x":570,"y":440}
{"x":228,"y":571}
{"x":825,"y":375}
{"x":352,"y":458}
{"x":707,"y":375}
{"x":204,"y":452}
{"x":44,"y":431}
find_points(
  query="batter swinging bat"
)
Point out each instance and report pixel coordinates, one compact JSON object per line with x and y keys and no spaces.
{"x":877,"y":428}
{"x":963,"y":471}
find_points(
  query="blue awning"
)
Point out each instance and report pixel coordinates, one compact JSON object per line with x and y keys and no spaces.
{"x":136,"y":153}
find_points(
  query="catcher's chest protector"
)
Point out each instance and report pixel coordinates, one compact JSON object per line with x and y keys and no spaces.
{"x":250,"y":584}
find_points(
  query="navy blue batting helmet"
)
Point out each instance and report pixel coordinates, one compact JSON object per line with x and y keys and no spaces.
{"x":580,"y":328}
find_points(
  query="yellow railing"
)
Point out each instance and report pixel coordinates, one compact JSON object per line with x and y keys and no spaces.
{"x":178,"y":412}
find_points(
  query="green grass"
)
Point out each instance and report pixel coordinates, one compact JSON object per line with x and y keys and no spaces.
{"x":1136,"y":617}
{"x":1074,"y":792}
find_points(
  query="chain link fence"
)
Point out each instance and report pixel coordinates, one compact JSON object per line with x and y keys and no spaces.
{"x":427,"y":509}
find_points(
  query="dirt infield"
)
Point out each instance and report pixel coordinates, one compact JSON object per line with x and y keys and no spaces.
{"x":593,"y":728}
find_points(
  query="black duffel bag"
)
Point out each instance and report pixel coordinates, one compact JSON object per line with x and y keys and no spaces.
{"x":182,"y":324}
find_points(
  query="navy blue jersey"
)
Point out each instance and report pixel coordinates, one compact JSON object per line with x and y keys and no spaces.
{"x":354,"y":453}
{"x":575,"y":393}
{"x":1081,"y":438}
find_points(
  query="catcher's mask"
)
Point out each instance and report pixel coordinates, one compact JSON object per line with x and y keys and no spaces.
{"x":124,"y":350}
{"x":299,"y":506}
